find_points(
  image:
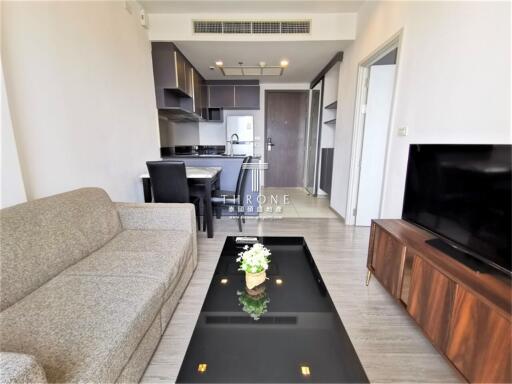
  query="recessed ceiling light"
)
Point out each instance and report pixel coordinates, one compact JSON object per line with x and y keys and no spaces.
{"x":279,"y":281}
{"x":202,"y":367}
{"x":224,"y":281}
{"x":284,"y":63}
{"x":262,"y":64}
{"x":219,"y":63}
{"x":305,"y":370}
{"x":212,"y":67}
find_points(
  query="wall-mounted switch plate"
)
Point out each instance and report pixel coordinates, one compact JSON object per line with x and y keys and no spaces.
{"x":402,"y":131}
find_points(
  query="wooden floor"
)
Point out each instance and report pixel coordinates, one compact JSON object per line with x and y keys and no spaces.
{"x":389,"y":344}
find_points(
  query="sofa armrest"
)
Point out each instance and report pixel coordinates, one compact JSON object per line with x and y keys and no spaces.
{"x":160,"y":216}
{"x":20,"y":368}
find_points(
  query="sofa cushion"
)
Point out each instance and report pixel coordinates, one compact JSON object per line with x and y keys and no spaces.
{"x":43,"y":237}
{"x":20,"y":368}
{"x":82,"y":328}
{"x":156,"y":255}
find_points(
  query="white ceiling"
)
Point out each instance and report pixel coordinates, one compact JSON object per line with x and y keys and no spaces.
{"x":306,"y":58}
{"x":242,"y":6}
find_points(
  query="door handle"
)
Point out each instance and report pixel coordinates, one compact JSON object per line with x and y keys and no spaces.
{"x":270,"y":144}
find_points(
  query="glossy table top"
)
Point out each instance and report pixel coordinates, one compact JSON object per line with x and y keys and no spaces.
{"x":286,"y":330}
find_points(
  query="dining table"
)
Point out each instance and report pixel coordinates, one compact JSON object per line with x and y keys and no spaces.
{"x":203,"y":180}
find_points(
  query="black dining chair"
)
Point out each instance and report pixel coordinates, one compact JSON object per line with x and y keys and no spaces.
{"x":169,"y":184}
{"x":224,"y":199}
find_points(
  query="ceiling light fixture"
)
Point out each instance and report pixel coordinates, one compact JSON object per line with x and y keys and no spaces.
{"x":305,"y":370}
{"x":202,"y":367}
{"x":219,"y":63}
{"x":262,"y":69}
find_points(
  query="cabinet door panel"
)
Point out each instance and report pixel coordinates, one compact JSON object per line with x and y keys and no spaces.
{"x":198,"y":103}
{"x":480,"y":340}
{"x":222,"y":96}
{"x":181,"y":74}
{"x":204,"y":101}
{"x":189,"y":79}
{"x":388,"y":254}
{"x":247,"y":96}
{"x":430,"y":301}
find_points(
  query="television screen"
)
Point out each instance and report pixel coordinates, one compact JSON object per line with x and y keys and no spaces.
{"x":462,"y":193}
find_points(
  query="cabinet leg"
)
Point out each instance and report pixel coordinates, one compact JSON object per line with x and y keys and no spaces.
{"x":368,"y":277}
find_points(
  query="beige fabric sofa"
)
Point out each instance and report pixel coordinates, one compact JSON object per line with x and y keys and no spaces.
{"x":87,"y":286}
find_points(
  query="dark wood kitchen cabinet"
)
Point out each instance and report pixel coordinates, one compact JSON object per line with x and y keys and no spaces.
{"x":171,"y":70}
{"x":466,"y":314}
{"x":221,"y":96}
{"x":242,"y":94}
{"x":197,"y":93}
{"x":204,"y":101}
{"x":178,"y":85}
{"x":247,"y":96}
{"x":181,"y":73}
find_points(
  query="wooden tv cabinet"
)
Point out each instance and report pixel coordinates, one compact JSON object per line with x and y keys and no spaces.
{"x":464,"y":313}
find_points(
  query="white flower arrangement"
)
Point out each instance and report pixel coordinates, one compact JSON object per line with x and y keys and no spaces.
{"x":254,"y":259}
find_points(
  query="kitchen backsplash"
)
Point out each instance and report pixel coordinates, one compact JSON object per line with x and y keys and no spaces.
{"x":174,"y":133}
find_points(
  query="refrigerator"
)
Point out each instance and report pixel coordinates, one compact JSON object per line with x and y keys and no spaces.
{"x":243,"y":128}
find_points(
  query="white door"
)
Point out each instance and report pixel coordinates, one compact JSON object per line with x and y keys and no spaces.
{"x":376,"y":128}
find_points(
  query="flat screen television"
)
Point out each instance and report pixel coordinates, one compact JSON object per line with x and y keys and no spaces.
{"x":462,"y":194}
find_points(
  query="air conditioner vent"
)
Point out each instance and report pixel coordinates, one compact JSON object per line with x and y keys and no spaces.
{"x":295,"y":26}
{"x":252,"y":27}
{"x":207,"y":26}
{"x":266,"y":27}
{"x":237,"y":27}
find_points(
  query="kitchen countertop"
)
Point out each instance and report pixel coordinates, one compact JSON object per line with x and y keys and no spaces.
{"x":208,"y":157}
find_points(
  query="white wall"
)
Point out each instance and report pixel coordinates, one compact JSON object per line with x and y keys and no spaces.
{"x":324,"y":26}
{"x":80,"y":86}
{"x":12,"y":187}
{"x":453,"y":83}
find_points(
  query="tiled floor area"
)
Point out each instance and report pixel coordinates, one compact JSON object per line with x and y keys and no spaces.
{"x":390,"y":345}
{"x":294,"y":203}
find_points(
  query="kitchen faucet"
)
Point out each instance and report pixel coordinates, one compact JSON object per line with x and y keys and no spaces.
{"x":231,"y":142}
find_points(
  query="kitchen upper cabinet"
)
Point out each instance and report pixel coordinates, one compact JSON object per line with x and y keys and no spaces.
{"x":197,"y":92}
{"x":247,"y":96}
{"x":171,"y":70}
{"x":480,"y":340}
{"x":234,"y":94}
{"x":164,"y":66}
{"x":178,"y":86}
{"x":221,"y":96}
{"x":189,"y":79}
{"x":181,"y":72}
{"x":204,"y":101}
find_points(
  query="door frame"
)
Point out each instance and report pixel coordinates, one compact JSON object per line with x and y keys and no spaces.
{"x":267,"y":91}
{"x":318,"y":141}
{"x":359,"y":120}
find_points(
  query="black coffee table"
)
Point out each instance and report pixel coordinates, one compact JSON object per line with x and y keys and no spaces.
{"x":300,"y":337}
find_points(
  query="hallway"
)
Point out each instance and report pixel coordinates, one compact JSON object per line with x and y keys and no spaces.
{"x":294,"y":203}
